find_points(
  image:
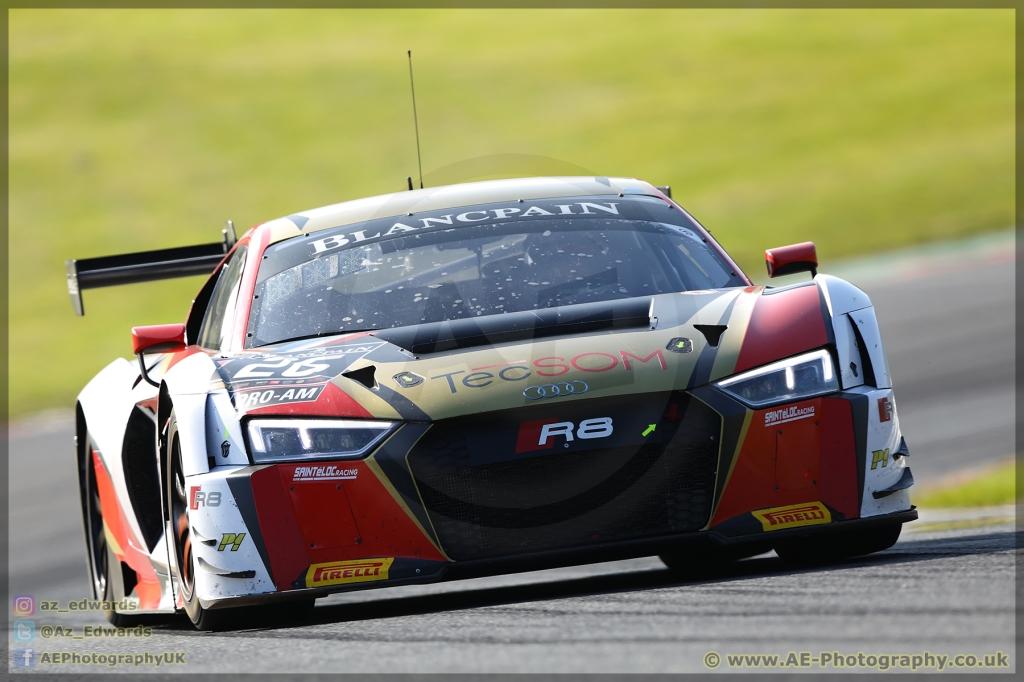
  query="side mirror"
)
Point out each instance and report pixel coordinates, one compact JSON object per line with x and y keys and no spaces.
{"x":157,"y":338}
{"x":787,"y":260}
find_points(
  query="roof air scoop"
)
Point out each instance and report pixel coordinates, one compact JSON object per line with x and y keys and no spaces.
{"x":712,"y":332}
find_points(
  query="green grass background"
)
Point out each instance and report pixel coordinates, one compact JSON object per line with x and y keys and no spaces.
{"x":862,"y":130}
{"x":993,"y":487}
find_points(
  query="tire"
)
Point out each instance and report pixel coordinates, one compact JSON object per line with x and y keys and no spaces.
{"x":184,"y":563}
{"x":104,"y":566}
{"x":708,"y":561}
{"x":834,"y":548}
{"x":182,"y":559}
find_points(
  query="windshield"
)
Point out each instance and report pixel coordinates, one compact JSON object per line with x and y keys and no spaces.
{"x":317,"y":286}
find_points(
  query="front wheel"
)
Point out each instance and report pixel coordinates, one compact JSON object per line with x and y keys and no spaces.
{"x":185,"y":562}
{"x":181,"y":534}
{"x":843,"y":545}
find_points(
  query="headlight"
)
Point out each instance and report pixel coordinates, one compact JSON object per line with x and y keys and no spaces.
{"x":804,"y":376}
{"x":286,"y":440}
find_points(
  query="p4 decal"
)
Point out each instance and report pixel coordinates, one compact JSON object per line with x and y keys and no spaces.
{"x":793,"y":516}
{"x":232,"y":540}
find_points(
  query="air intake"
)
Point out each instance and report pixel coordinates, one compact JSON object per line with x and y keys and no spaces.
{"x":712,"y":332}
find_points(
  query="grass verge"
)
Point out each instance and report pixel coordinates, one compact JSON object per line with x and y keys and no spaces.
{"x":994,"y":487}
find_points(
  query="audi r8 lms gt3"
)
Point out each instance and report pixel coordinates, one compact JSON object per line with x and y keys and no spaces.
{"x":477,"y":379}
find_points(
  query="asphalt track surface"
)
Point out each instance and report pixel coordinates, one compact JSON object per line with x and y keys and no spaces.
{"x":948,"y":327}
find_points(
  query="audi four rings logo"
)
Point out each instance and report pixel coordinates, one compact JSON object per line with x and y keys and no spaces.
{"x":554,"y":390}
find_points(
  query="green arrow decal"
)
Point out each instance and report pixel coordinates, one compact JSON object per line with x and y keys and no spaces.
{"x":650,"y":429}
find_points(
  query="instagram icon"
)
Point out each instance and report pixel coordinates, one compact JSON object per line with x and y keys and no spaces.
{"x":24,"y":605}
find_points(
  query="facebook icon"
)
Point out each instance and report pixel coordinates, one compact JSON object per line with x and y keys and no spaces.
{"x":24,"y":657}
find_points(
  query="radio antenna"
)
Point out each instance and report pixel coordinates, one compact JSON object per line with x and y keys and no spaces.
{"x":415,"y":122}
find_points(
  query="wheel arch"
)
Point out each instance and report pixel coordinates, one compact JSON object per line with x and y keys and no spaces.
{"x":184,"y":390}
{"x":101,"y":418}
{"x":82,"y":464}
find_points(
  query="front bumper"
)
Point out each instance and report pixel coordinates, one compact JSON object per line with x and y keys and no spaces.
{"x":455,"y":499}
{"x":632,"y":549}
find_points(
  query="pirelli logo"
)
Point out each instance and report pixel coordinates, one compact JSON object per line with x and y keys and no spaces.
{"x":343,"y":572}
{"x":793,"y":516}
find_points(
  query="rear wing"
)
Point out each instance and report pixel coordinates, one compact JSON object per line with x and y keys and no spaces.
{"x":145,"y":266}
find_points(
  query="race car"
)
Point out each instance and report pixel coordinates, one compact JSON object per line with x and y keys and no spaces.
{"x":478,"y":379}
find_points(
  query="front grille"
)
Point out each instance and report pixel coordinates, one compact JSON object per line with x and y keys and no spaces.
{"x":482,"y":509}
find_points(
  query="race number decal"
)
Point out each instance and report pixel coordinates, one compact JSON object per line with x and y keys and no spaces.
{"x":261,"y":380}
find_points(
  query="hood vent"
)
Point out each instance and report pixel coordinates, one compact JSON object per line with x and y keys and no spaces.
{"x":712,"y":332}
{"x":364,"y":375}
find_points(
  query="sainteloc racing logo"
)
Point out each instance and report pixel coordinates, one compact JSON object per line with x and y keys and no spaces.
{"x":788,"y":414}
{"x":328,"y":472}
